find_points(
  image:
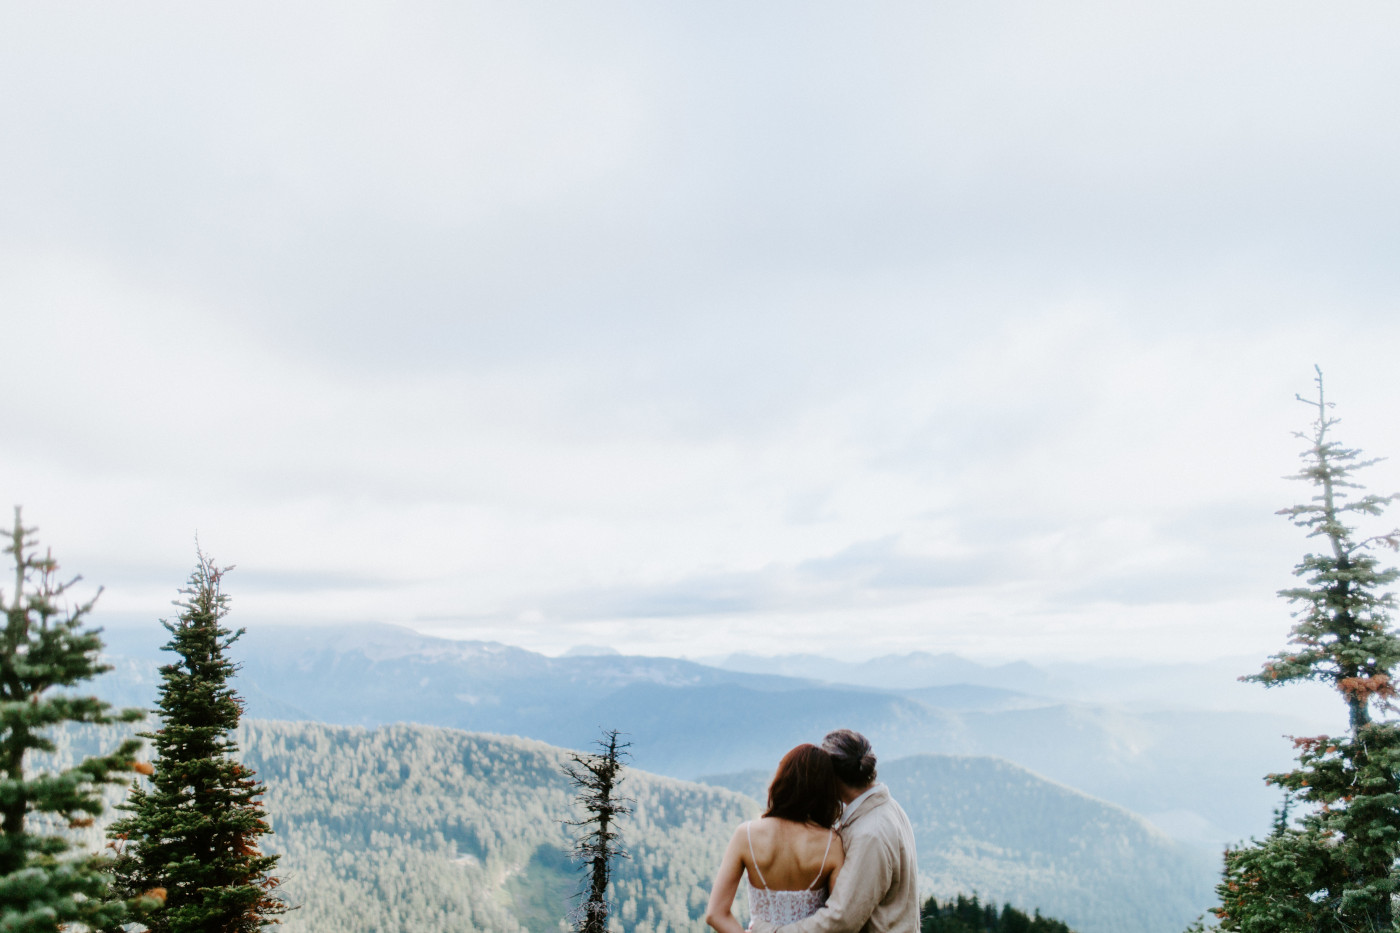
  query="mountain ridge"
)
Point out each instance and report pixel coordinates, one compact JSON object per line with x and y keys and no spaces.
{"x":1198,"y":772}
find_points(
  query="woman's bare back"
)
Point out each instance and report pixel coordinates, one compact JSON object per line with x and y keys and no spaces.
{"x":791,"y":856}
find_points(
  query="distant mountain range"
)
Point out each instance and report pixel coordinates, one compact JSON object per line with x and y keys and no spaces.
{"x":1203,"y":685}
{"x":1197,"y":773}
{"x":894,"y":672}
{"x":419,"y":829}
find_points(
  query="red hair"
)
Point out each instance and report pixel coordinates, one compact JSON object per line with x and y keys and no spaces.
{"x":804,"y":788}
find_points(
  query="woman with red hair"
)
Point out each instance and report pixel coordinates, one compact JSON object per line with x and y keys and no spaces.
{"x":791,"y":855}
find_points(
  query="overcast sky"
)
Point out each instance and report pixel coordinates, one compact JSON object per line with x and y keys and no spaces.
{"x":699,"y":327}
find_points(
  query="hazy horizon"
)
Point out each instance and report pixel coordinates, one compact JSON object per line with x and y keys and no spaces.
{"x":127,"y":625}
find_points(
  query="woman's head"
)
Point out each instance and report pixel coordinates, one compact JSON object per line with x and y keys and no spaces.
{"x":804,"y":788}
{"x":851,"y":758}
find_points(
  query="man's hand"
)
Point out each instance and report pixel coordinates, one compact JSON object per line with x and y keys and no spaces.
{"x":762,"y":926}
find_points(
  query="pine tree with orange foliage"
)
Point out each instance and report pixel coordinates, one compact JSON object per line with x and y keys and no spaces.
{"x":194,"y":830}
{"x":47,"y":654}
{"x":1334,"y":867}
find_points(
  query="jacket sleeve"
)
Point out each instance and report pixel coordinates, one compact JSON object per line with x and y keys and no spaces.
{"x":862,"y":883}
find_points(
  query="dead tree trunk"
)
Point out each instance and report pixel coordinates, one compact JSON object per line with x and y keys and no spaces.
{"x":597,"y":777}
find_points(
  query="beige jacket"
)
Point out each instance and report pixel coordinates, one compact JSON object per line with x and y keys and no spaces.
{"x":878,"y":888}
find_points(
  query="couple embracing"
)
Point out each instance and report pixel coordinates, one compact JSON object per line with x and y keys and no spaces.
{"x":832,"y":853}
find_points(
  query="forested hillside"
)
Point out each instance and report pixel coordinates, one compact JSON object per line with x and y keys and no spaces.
{"x":424,"y":830}
{"x":415,"y":829}
{"x":410,"y":828}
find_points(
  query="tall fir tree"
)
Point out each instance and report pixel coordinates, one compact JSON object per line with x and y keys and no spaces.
{"x":47,"y":651}
{"x":597,"y":777}
{"x":194,"y":832}
{"x":1333,"y":868}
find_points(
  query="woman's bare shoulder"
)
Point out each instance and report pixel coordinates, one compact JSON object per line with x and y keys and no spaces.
{"x":769,"y":825}
{"x":811,"y":836}
{"x":790,"y":832}
{"x":741,"y":834}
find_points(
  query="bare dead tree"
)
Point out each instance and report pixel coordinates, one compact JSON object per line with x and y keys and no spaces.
{"x":597,"y":777}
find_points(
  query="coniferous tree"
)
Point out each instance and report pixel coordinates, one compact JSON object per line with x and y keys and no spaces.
{"x":969,"y":915}
{"x":195,"y":831}
{"x":1332,"y":868}
{"x":598,"y":777}
{"x":46,"y":651}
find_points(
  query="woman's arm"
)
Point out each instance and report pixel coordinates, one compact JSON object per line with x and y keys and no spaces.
{"x":720,"y":912}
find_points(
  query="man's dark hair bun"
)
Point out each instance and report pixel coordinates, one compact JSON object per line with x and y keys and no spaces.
{"x":851,"y":757}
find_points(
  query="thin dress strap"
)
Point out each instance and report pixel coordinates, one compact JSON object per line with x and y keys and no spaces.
{"x":753,"y":858}
{"x":829,"y":834}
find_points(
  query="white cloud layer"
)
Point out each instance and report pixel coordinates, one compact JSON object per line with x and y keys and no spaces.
{"x":695,"y":329}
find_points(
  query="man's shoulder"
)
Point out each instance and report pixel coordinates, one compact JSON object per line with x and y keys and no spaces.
{"x":894,"y":810}
{"x":881,"y":801}
{"x":885,"y":824}
{"x":877,"y":816}
{"x":893,"y":814}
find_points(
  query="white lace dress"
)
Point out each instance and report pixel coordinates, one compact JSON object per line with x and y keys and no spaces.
{"x":784,"y":907}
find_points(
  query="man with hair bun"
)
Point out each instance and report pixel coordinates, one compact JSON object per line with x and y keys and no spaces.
{"x":878,"y":889}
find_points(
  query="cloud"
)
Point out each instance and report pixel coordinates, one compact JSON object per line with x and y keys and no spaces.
{"x":866,"y":573}
{"x":972,"y":323}
{"x":882,"y":564}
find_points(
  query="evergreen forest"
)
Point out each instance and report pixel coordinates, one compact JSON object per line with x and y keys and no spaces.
{"x":419,"y":828}
{"x":965,"y":914}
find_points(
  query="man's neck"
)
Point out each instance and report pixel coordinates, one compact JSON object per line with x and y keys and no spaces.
{"x":849,"y":793}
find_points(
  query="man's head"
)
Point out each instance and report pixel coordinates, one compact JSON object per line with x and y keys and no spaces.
{"x":852,"y":760}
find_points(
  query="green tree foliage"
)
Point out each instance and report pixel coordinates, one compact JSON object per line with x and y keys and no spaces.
{"x":47,"y":651}
{"x":597,"y":777}
{"x":418,"y":830}
{"x":968,"y":915}
{"x":1333,"y":868}
{"x":195,"y":832}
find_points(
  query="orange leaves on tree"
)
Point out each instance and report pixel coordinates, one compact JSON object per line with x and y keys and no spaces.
{"x":1364,"y":688}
